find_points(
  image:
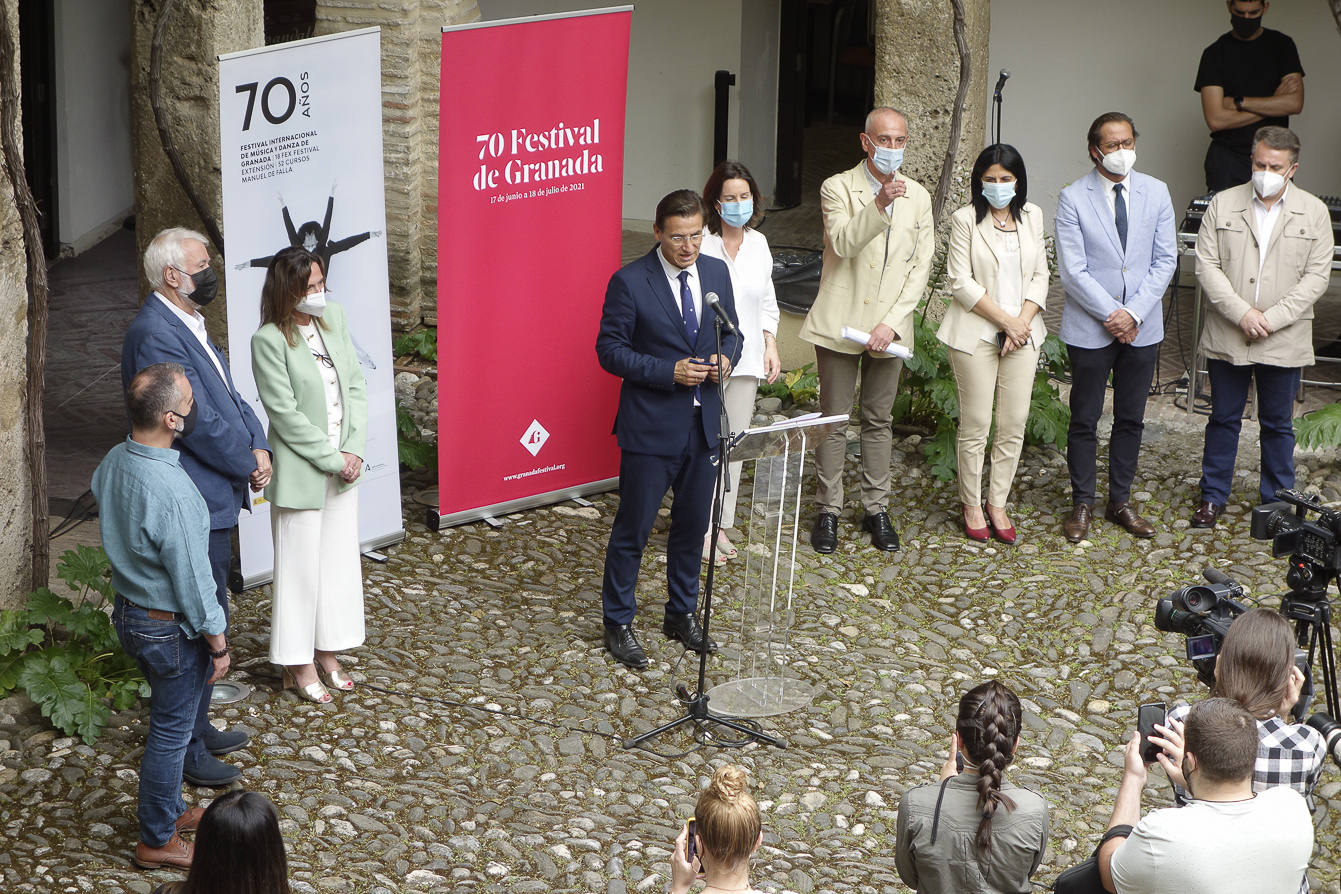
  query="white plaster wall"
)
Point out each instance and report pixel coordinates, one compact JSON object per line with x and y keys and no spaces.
{"x":1071,"y":61}
{"x":675,"y":46}
{"x":95,"y":183}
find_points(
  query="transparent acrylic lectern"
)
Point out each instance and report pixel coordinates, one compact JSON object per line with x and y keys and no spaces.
{"x":754,"y":621}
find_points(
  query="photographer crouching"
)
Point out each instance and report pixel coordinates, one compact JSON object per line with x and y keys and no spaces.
{"x":1227,"y":838}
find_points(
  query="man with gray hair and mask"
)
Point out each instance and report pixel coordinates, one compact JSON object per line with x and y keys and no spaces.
{"x":222,"y":444}
{"x":1264,"y":256}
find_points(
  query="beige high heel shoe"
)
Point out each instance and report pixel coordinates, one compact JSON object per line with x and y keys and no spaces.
{"x":336,"y":679}
{"x":313,"y":692}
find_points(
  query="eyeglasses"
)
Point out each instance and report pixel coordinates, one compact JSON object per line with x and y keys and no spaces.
{"x":678,"y":239}
{"x":1106,"y":148}
{"x":325,"y":360}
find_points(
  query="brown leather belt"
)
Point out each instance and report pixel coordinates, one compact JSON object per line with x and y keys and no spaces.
{"x":156,"y":614}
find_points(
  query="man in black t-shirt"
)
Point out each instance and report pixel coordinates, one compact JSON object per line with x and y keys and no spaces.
{"x":1249,"y":78}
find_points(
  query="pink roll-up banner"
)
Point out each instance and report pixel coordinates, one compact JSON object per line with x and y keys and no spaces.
{"x":530,"y":176}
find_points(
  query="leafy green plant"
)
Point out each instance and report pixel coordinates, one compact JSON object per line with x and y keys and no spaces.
{"x":797,"y":386}
{"x":1319,"y":429}
{"x":412,"y":449}
{"x":929,"y":398}
{"x":65,"y":655}
{"x":422,"y":343}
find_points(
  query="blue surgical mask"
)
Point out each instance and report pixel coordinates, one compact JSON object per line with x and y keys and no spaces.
{"x":999,"y":195}
{"x":737,"y":214}
{"x":887,"y":160}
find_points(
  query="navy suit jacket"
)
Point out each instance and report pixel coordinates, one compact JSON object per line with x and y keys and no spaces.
{"x":218,"y":452}
{"x":642,"y":336}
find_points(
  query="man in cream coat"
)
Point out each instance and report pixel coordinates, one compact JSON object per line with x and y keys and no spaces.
{"x":878,"y":244}
{"x":1264,"y":255}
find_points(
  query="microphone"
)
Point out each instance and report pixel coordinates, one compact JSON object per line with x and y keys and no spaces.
{"x":715,"y":303}
{"x":1001,"y":83}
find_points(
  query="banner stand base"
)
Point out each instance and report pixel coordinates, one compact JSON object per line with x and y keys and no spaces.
{"x":436,"y":521}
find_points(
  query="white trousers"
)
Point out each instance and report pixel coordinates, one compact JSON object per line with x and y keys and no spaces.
{"x":739,"y":400}
{"x":317,"y":600}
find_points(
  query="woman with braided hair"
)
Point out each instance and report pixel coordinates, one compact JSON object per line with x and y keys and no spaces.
{"x":974,"y":831}
{"x":727,"y":831}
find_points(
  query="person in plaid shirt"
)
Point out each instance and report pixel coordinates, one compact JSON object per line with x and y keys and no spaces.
{"x":1256,"y":669}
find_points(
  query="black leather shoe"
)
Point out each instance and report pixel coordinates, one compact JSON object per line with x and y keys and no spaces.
{"x":622,"y":643}
{"x":883,"y":535}
{"x":225,"y":741}
{"x":688,"y":631}
{"x":210,"y":772}
{"x":824,"y":535}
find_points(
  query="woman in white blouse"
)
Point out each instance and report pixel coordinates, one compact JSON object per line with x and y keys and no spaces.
{"x":997,"y":266}
{"x":315,"y":398}
{"x":729,"y":196}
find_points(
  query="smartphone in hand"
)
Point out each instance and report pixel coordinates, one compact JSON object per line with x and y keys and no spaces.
{"x":690,"y":847}
{"x":1146,"y":718}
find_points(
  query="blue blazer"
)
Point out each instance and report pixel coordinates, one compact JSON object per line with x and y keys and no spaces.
{"x":1099,"y":277}
{"x":642,"y":336}
{"x":218,"y":452}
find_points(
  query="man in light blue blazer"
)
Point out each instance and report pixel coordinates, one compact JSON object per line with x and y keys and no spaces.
{"x":1117,"y":250}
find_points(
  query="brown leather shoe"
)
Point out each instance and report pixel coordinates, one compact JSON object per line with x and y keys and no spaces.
{"x":1077,"y":524}
{"x":190,"y":820}
{"x":1125,"y":514}
{"x":176,"y":854}
{"x":1207,"y":514}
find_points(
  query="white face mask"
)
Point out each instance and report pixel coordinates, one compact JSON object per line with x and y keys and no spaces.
{"x":314,"y":304}
{"x":1120,"y":162}
{"x":1267,"y":183}
{"x":887,"y":160}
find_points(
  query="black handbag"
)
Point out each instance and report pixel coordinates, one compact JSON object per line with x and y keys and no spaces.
{"x":1084,"y":877}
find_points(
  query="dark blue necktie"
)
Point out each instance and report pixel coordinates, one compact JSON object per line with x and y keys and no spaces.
{"x":687,"y":308}
{"x":1120,"y":214}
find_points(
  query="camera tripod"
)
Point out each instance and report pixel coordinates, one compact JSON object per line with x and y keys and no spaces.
{"x":1307,"y":605}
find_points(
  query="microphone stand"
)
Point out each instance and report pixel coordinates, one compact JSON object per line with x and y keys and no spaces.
{"x":696,"y":704}
{"x":996,"y":111}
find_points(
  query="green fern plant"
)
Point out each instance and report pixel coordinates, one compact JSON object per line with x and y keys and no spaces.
{"x":65,"y":655}
{"x":1319,"y":429}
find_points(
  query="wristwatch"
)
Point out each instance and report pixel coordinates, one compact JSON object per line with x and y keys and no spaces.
{"x":1238,"y":103}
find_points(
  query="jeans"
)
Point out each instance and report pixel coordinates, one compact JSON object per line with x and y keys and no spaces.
{"x":176,"y":668}
{"x":1276,"y":387}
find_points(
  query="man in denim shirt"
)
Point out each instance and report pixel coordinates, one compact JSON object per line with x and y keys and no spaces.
{"x":155,"y":529}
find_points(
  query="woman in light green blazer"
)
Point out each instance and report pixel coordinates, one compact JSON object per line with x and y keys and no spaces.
{"x":316,"y":400}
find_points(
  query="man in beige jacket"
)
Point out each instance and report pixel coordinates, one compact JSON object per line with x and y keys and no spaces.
{"x":1264,"y":256}
{"x":878,"y":243}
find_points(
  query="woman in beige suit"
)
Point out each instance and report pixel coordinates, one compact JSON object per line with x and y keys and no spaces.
{"x":998,"y":270}
{"x":316,"y":400}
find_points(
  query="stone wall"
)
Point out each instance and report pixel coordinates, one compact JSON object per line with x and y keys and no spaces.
{"x":917,"y":71}
{"x":16,"y":542}
{"x":411,"y":59}
{"x":197,"y":33}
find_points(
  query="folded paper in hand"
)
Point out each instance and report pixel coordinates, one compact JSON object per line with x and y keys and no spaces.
{"x":862,"y":338}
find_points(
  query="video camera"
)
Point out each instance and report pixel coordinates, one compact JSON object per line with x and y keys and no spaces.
{"x":1202,"y":613}
{"x":1308,"y":542}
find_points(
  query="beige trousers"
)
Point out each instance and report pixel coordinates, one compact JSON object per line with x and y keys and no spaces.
{"x":986,"y":378}
{"x":838,"y":377}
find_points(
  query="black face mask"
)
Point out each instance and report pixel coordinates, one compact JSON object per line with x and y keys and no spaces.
{"x":207,"y":287}
{"x":1244,"y":26}
{"x":188,"y":419}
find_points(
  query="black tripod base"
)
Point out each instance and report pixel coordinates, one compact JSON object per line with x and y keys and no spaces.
{"x":698,"y":714}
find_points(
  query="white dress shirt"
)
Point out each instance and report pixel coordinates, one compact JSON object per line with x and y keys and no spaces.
{"x":695,"y":289}
{"x":1266,"y":223}
{"x":756,"y":301}
{"x":1111,"y":195}
{"x":329,"y":379}
{"x":196,"y":323}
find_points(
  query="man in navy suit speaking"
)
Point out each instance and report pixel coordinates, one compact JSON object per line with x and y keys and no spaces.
{"x":657,"y":336}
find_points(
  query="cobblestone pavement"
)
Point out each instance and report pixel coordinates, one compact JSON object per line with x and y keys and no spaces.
{"x":429,"y":779}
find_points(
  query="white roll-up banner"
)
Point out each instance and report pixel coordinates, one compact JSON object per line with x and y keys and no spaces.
{"x":300,"y":133}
